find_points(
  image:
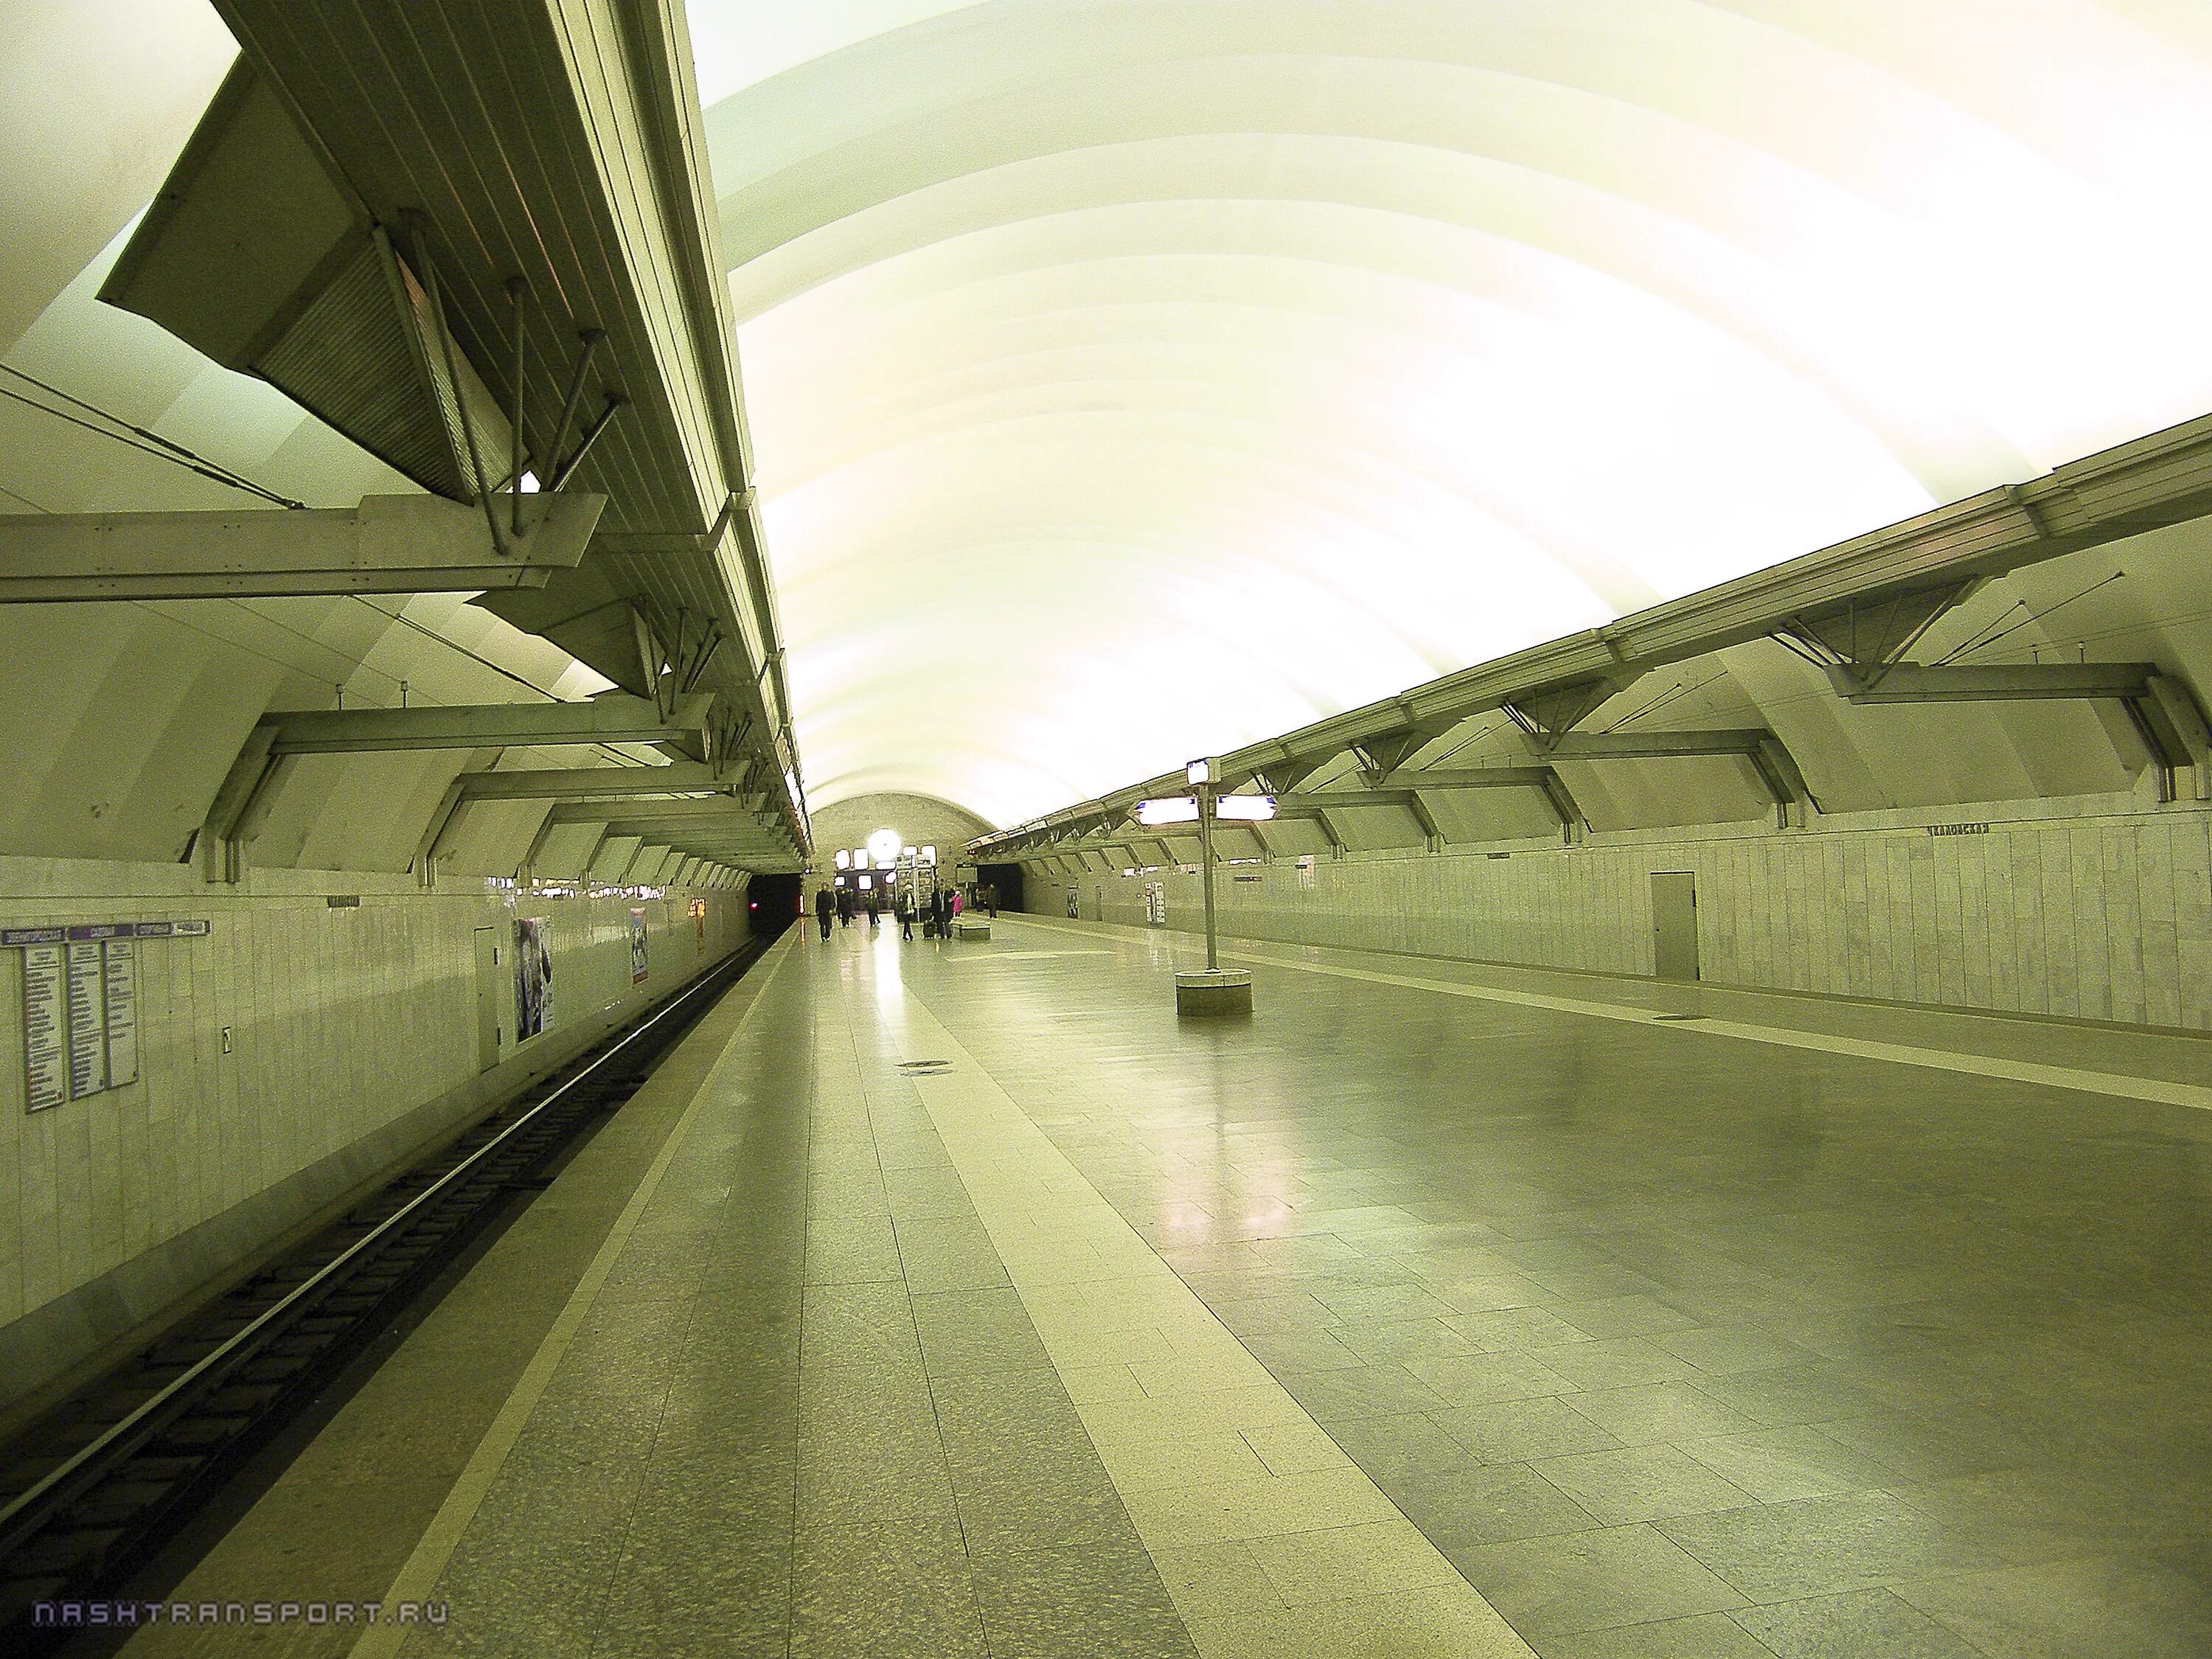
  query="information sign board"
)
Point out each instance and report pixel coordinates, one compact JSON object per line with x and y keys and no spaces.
{"x":88,"y":1020}
{"x":46,"y":1027}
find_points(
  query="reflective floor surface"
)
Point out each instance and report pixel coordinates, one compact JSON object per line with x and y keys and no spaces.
{"x":960,"y":1300}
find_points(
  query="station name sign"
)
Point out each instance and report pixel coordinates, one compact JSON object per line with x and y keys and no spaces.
{"x":90,"y":933}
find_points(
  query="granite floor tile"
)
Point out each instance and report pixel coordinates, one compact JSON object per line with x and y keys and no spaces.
{"x":1640,"y":1483}
{"x":1701,"y":1636}
{"x":2128,"y":1606}
{"x":1334,"y":1563}
{"x":1597,"y":1580}
{"x":885,"y":1591}
{"x":1519,"y":1431}
{"x":1355,"y":1392}
{"x":1475,"y":1379}
{"x":1825,"y":1546}
{"x":1092,"y":1602}
{"x":1859,"y":1625}
{"x":1779,"y":1466}
{"x":1658,"y":1411}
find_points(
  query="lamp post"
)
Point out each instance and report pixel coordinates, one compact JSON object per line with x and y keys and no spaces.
{"x":1216,"y":989}
{"x":1201,"y":774}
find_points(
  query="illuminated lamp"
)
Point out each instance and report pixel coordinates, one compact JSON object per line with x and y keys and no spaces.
{"x":1245,"y":809}
{"x":1171,"y":809}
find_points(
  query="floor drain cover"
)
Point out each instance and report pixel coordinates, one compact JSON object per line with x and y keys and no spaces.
{"x":925,"y":1066}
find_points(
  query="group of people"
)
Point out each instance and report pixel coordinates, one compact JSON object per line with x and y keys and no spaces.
{"x":939,"y":910}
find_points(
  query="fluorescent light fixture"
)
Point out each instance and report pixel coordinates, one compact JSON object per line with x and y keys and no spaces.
{"x":1199,"y":771}
{"x":1244,"y":808}
{"x":867,"y":884}
{"x":1171,"y":809}
{"x":929,"y":855}
{"x":844,"y":861}
{"x":911,"y":852}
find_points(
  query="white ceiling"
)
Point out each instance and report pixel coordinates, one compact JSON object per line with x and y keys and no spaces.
{"x":1134,"y":378}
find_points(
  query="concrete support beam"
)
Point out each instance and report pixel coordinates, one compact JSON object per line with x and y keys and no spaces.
{"x":388,"y":544}
{"x":1464,"y":777}
{"x":741,"y":810}
{"x":1993,"y":683}
{"x":610,"y":717}
{"x":1291,"y":806}
{"x":1655,"y":745}
{"x":1542,"y":779}
{"x":593,"y":782}
{"x":1769,"y":758}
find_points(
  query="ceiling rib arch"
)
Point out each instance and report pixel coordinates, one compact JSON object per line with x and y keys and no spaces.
{"x":1185,"y":309}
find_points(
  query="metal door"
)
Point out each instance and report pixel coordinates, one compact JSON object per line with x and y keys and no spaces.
{"x":1674,"y":924}
{"x":491,"y":982}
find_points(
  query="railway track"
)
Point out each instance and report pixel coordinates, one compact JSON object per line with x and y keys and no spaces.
{"x":92,"y":1487}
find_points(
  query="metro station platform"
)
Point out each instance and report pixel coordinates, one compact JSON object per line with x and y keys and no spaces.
{"x":956,"y":1299}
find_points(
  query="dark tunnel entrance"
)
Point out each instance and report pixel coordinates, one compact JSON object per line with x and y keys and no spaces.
{"x":773,"y":903}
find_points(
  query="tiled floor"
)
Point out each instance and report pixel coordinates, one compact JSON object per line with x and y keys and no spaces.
{"x":1676,"y":1342}
{"x":965,"y":1302}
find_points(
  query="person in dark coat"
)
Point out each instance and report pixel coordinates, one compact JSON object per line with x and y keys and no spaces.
{"x":874,"y":906}
{"x":941,"y":913}
{"x":824,"y":904}
{"x":844,"y":907}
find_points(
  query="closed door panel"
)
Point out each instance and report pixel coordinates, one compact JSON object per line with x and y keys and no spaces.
{"x":1674,"y":924}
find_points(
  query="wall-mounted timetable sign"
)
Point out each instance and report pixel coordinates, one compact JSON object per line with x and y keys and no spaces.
{"x":87,"y":1019}
{"x":46,"y":1027}
{"x":80,"y":1003}
{"x":118,"y":976}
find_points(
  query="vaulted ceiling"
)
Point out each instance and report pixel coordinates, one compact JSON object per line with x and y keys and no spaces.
{"x":1136,"y":378}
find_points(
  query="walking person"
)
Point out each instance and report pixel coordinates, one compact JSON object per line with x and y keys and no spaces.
{"x":906,"y":913}
{"x":939,"y":914}
{"x":874,"y":905}
{"x":824,"y":904}
{"x":844,"y":907}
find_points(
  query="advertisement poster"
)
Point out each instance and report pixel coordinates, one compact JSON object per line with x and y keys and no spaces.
{"x":637,"y":968}
{"x":533,"y":978}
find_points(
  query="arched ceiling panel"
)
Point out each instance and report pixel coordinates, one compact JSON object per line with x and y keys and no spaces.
{"x":1133,"y":379}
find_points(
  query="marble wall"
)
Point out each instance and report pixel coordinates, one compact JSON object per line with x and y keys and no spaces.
{"x":350,"y":1003}
{"x":2103,"y":913}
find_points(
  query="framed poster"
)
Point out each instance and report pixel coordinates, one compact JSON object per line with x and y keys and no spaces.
{"x":533,"y":978}
{"x":637,"y":968}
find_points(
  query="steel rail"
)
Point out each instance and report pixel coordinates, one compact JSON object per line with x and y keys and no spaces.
{"x":28,"y":1513}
